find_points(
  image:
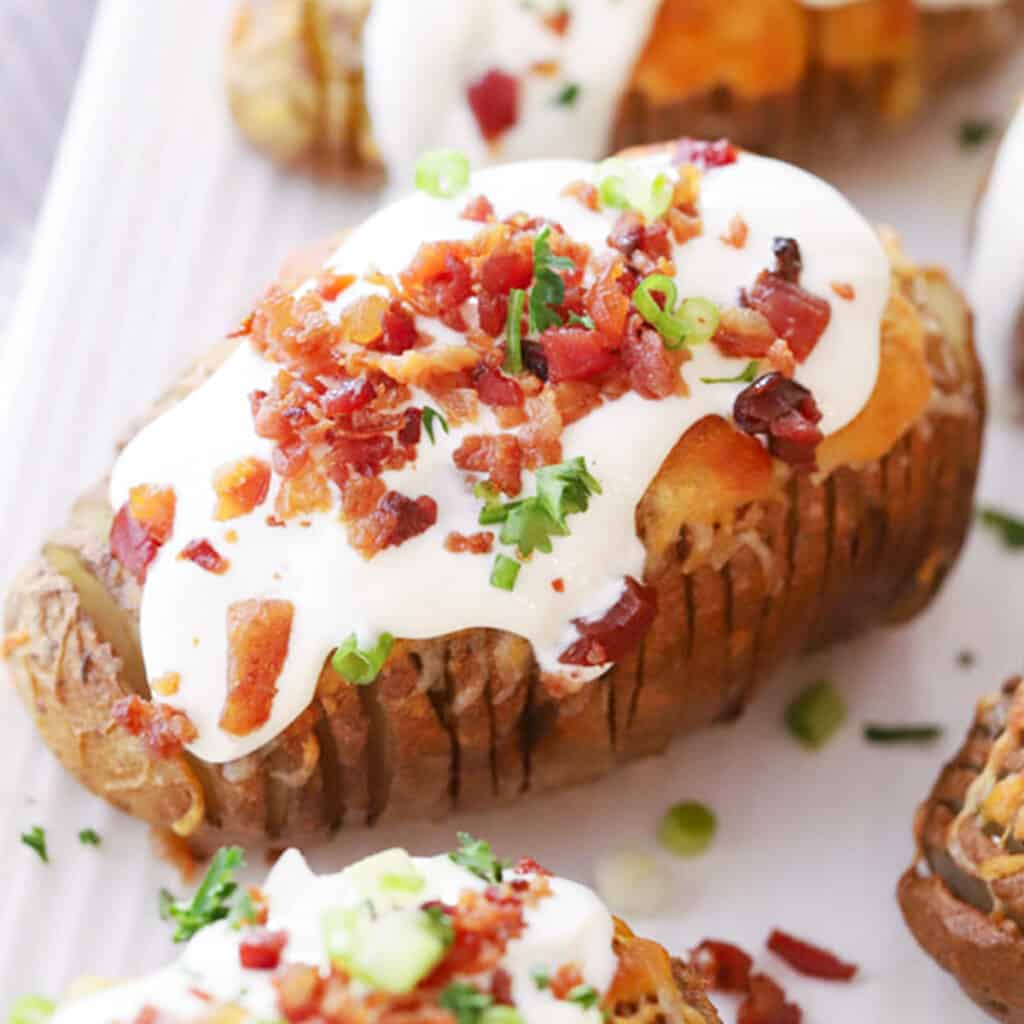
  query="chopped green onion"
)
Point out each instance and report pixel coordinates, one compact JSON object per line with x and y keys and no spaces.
{"x":31,"y":1009}
{"x":476,"y":855}
{"x":902,"y":733}
{"x":359,"y":666}
{"x":975,"y":130}
{"x":387,"y":878}
{"x":693,"y":323}
{"x":442,"y":173}
{"x":632,"y":881}
{"x":432,"y":418}
{"x":514,"y":332}
{"x":621,"y":186}
{"x":748,"y":375}
{"x":1009,"y":528}
{"x":816,"y":714}
{"x":505,"y":573}
{"x":568,"y":94}
{"x":35,"y":839}
{"x":966,"y":659}
{"x":501,"y":1014}
{"x":541,"y":977}
{"x":246,"y":911}
{"x":687,"y":829}
{"x":212,"y":900}
{"x":89,"y":837}
{"x":465,"y":1001}
{"x":584,"y":996}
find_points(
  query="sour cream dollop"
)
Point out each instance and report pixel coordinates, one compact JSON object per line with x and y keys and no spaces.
{"x":570,"y":926}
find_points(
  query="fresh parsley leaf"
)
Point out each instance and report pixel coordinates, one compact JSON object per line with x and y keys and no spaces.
{"x":548,"y":287}
{"x":568,"y":94}
{"x":974,"y":131}
{"x":35,"y":838}
{"x":89,"y":837}
{"x":747,"y":376}
{"x":360,"y":666}
{"x":565,"y":489}
{"x":476,"y":855}
{"x":246,"y":911}
{"x":212,"y":900}
{"x":465,"y":1001}
{"x":1009,"y":527}
{"x":432,"y":418}
{"x":584,"y":996}
{"x":529,"y":526}
{"x":514,"y":332}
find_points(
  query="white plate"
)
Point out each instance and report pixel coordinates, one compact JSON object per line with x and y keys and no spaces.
{"x":158,"y":231}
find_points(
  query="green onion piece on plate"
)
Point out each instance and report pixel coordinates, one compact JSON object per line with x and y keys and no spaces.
{"x":816,"y":714}
{"x":442,"y":173}
{"x":360,"y":666}
{"x":687,"y":829}
{"x":31,"y":1009}
{"x":875,"y":733}
{"x":505,"y":573}
{"x":692,"y":323}
{"x":514,"y":332}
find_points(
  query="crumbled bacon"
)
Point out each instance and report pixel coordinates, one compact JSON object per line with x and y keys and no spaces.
{"x":576,"y":353}
{"x":299,"y":988}
{"x":786,"y":414}
{"x":630,"y":234}
{"x":395,"y":520}
{"x":737,"y":232}
{"x":528,"y":866}
{"x":141,"y":527}
{"x":722,"y":966}
{"x":809,"y":959}
{"x":618,"y":631}
{"x":766,"y":1004}
{"x":258,"y":636}
{"x":794,"y":313}
{"x":240,"y":487}
{"x":707,"y":155}
{"x":473,"y":543}
{"x":330,"y":285}
{"x":653,"y":373}
{"x":494,"y":388}
{"x":743,"y":334}
{"x":205,"y":555}
{"x":559,"y":21}
{"x":399,"y":331}
{"x":303,"y":494}
{"x":506,"y":268}
{"x":565,"y":979}
{"x":479,"y":209}
{"x":844,"y":290}
{"x":585,"y":192}
{"x":558,"y":585}
{"x":501,"y":987}
{"x":780,"y":358}
{"x":261,"y":949}
{"x":163,"y":730}
{"x":500,"y":456}
{"x":494,"y":101}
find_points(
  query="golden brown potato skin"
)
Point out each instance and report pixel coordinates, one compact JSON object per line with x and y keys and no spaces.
{"x":964,"y":900}
{"x":775,"y":565}
{"x":772,"y":75}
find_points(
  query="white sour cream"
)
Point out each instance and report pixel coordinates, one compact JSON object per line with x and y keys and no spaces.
{"x":995,"y":281}
{"x":571,"y":926}
{"x":418,"y":65}
{"x":420,"y":590}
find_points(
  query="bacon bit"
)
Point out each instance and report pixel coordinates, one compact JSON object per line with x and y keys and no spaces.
{"x":545,"y":68}
{"x":362,"y":321}
{"x":412,"y":427}
{"x":473,"y":543}
{"x":395,"y":520}
{"x":558,"y":585}
{"x":651,"y":370}
{"x":331,"y":285}
{"x":347,"y":396}
{"x":786,"y":413}
{"x":808,"y":959}
{"x":494,"y":101}
{"x":200,"y":994}
{"x":540,"y":438}
{"x":528,"y":866}
{"x":737,"y":233}
{"x":722,"y":966}
{"x":163,"y":730}
{"x":743,"y":334}
{"x":781,"y":359}
{"x":240,"y":487}
{"x":789,"y":262}
{"x":499,"y":455}
{"x":147,"y":1015}
{"x":259,"y":631}
{"x":585,"y":192}
{"x":506,"y":268}
{"x":12,"y":641}
{"x":631,"y":234}
{"x":794,"y":313}
{"x":559,"y":21}
{"x":766,"y":1004}
{"x":302,"y":495}
{"x":273,"y":521}
{"x":205,"y":555}
{"x":244,"y":328}
{"x":494,"y":388}
{"x":684,"y":226}
{"x":575,"y":353}
{"x":141,"y":526}
{"x":844,"y":290}
{"x":565,"y":979}
{"x":501,"y":987}
{"x":575,"y":399}
{"x":607,"y":303}
{"x":299,"y":988}
{"x":399,"y":328}
{"x":706,"y":155}
{"x":231,"y":536}
{"x":361,"y":497}
{"x":618,"y":631}
{"x":261,"y":949}
{"x":479,"y":209}
{"x":166,"y":685}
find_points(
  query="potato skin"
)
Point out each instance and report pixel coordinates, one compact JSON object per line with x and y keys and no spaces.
{"x":783,"y":563}
{"x":969,"y":923}
{"x":771,"y":75}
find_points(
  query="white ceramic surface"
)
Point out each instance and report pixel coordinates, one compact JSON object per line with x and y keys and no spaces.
{"x":158,"y":230}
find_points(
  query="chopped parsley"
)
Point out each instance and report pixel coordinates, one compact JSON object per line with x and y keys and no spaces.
{"x":465,"y":1001}
{"x":975,"y":131}
{"x":514,"y":331}
{"x":35,"y":838}
{"x":89,"y":837}
{"x":1009,"y":528}
{"x":476,"y":855}
{"x":548,"y":288}
{"x":431,"y":419}
{"x":584,"y":996}
{"x":568,"y":94}
{"x":212,"y":900}
{"x":360,"y":666}
{"x":747,"y":376}
{"x":902,"y":733}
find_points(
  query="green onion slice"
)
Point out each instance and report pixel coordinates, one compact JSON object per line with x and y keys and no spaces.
{"x":31,"y":1009}
{"x":816,"y":714}
{"x":875,"y":733}
{"x":692,"y":323}
{"x":687,"y":829}
{"x":747,"y":376}
{"x":442,"y":173}
{"x":361,"y":666}
{"x":622,"y":186}
{"x":505,"y":573}
{"x":514,"y":332}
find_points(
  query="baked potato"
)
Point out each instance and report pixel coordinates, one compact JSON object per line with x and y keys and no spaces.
{"x":777,"y":76}
{"x":449,"y":938}
{"x":963,"y":898}
{"x":750,"y":556}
